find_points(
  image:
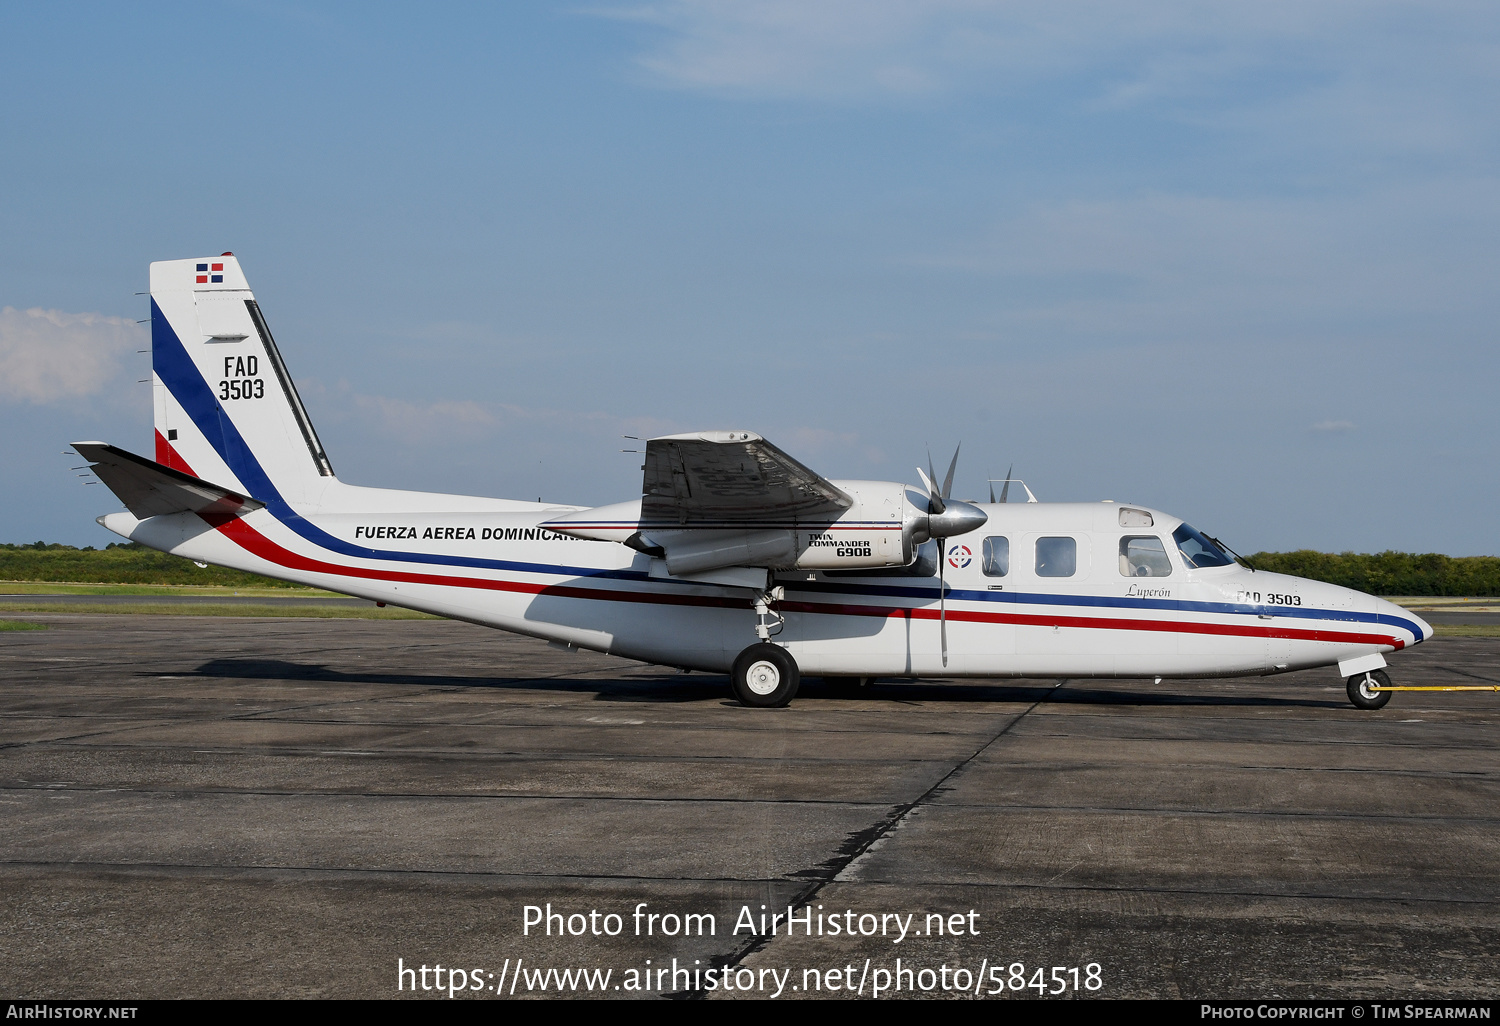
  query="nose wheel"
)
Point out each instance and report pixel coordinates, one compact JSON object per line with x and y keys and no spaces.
{"x":1364,"y":689}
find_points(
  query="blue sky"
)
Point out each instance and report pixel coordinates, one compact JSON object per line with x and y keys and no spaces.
{"x":1238,"y":264}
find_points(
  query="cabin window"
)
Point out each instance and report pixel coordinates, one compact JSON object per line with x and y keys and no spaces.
{"x":1144,"y":556}
{"x":996,"y":557}
{"x":1056,"y":557}
{"x":1197,"y":550}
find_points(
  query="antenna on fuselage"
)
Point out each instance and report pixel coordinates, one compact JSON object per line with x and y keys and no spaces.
{"x":1005,"y":483}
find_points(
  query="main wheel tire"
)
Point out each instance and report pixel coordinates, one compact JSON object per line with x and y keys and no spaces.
{"x":1362,"y":689}
{"x":765,"y":676}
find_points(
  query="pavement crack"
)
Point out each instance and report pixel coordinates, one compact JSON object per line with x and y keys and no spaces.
{"x":862,"y":841}
{"x":1472,"y":676}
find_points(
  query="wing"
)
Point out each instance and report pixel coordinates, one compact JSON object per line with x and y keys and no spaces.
{"x":150,"y":490}
{"x":735,"y":476}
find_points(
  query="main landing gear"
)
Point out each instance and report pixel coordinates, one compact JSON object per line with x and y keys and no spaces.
{"x":1363,"y":689}
{"x":766,"y":676}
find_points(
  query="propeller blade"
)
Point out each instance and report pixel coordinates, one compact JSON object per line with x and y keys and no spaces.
{"x":935,"y":502}
{"x":943,"y":602}
{"x":926,"y":481}
{"x":948,"y":481}
{"x":938,"y":495}
{"x":1005,"y":488}
{"x":992,"y":493}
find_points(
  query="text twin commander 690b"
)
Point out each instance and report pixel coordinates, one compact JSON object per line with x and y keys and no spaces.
{"x":735,"y":557}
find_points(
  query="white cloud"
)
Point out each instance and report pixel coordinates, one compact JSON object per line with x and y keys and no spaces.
{"x":425,"y":422}
{"x":1348,"y":83}
{"x":783,"y":48}
{"x":815,"y":440}
{"x":46,"y":355}
{"x":407,"y":419}
{"x":1239,"y":268}
{"x":1333,"y":425}
{"x":846,"y":49}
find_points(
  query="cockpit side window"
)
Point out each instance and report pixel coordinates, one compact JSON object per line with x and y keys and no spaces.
{"x":1197,"y":551}
{"x":1144,"y":556}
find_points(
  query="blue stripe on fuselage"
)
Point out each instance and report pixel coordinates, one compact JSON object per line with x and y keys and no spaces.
{"x":1116,"y":602}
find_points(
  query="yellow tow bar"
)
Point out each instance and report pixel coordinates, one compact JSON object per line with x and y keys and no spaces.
{"x":1456,"y":687}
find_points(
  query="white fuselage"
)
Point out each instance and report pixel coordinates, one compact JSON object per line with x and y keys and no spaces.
{"x":488,"y":562}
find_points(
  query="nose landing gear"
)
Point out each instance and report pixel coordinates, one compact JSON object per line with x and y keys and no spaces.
{"x":1364,"y":689}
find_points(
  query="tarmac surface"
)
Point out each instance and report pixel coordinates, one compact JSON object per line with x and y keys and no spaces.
{"x":211,"y":807}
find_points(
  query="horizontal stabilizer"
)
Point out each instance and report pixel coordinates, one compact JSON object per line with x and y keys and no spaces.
{"x":149,"y":489}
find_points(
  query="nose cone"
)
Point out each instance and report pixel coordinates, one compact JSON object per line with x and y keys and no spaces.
{"x":957,"y":518}
{"x":1396,"y":616}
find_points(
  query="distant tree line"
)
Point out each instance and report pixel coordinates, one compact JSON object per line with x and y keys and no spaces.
{"x":1390,"y":573}
{"x":1382,"y":573}
{"x":122,"y":563}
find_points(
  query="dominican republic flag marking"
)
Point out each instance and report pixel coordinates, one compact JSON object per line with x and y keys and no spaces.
{"x":205,"y":278}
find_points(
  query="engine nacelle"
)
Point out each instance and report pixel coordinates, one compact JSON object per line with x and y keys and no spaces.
{"x":882,"y":529}
{"x":879,"y":530}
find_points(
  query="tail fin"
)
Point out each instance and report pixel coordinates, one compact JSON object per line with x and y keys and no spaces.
{"x":225,"y":406}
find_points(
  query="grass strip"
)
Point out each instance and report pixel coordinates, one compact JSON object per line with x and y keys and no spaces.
{"x":21,"y":625}
{"x":1467,"y":630}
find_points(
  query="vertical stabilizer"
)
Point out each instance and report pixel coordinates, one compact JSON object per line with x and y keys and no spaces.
{"x":225,"y":406}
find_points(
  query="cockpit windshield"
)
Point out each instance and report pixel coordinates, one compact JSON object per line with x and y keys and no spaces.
{"x":1197,"y":550}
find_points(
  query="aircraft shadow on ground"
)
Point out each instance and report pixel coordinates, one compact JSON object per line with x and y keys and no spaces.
{"x":1045,"y":691}
{"x":670,"y":686}
{"x":657,"y":687}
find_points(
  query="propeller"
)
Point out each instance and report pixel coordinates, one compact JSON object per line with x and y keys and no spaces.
{"x":947,"y":517}
{"x":1004,"y":488}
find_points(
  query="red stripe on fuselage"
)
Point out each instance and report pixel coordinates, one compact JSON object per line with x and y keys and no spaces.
{"x":257,"y":544}
{"x":252,"y":541}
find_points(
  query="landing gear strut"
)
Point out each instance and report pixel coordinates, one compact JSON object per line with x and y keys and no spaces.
{"x":1363,"y":689}
{"x":767,"y":616}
